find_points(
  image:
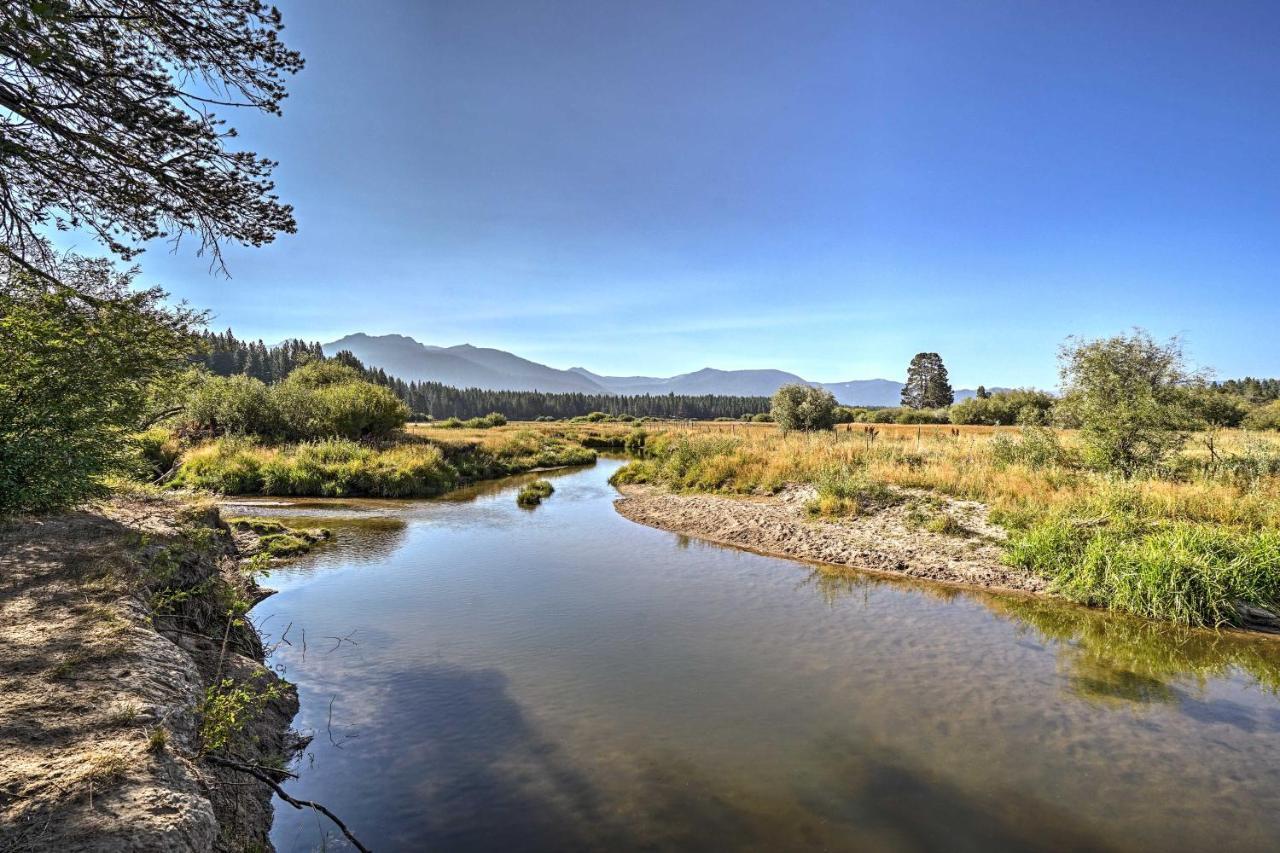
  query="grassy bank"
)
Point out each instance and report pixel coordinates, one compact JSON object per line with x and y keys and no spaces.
{"x":411,"y":466}
{"x":1186,"y":543}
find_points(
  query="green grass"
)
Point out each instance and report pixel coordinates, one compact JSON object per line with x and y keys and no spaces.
{"x":533,"y":493}
{"x":1107,"y":552}
{"x":341,"y":468}
{"x":848,"y":491}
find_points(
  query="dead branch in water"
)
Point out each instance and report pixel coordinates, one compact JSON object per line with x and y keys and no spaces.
{"x":261,"y":774}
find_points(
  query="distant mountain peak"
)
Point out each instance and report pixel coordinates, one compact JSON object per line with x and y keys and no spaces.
{"x":469,"y":366}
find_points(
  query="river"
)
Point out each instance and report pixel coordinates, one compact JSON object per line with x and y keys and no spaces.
{"x":479,"y":676}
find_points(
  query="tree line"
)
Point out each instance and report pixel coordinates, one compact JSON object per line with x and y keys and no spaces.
{"x":226,"y":355}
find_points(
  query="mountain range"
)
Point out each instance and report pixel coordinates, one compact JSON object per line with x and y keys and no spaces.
{"x":467,"y":366}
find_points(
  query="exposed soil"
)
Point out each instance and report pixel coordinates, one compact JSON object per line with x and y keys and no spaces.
{"x":99,"y":740}
{"x":891,"y":539}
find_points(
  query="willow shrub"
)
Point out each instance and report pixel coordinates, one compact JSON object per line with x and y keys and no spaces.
{"x":317,"y":401}
{"x":77,"y":367}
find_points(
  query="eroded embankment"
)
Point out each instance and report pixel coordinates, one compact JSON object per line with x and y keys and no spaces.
{"x":887,"y":540}
{"x":114,"y":624}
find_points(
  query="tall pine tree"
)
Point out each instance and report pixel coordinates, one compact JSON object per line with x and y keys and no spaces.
{"x":928,"y":386}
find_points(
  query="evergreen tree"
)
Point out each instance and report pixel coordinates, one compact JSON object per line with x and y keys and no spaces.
{"x":928,"y":386}
{"x":109,"y":124}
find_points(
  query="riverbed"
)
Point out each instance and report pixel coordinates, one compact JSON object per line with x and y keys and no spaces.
{"x":481,"y":676}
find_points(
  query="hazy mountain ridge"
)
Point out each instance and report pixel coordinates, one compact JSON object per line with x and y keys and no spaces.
{"x":467,"y":366}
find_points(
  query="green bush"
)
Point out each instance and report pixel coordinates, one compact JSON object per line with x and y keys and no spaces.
{"x":921,"y":416}
{"x":1006,"y":408}
{"x":635,"y":441}
{"x":318,"y":400}
{"x":1264,"y":417}
{"x":233,"y":405}
{"x":804,"y":408}
{"x":1130,"y":395}
{"x":78,"y":365}
{"x":1036,"y":447}
{"x":694,"y":462}
{"x":158,"y":450}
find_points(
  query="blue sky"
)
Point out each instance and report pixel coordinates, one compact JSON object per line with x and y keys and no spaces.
{"x":823,"y":188}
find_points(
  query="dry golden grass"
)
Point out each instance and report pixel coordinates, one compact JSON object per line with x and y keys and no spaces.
{"x":959,"y":461}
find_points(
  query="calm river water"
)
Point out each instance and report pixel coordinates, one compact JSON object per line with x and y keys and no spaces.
{"x":479,"y":676}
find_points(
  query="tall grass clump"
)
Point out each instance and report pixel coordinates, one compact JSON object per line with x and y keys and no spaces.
{"x":333,"y":468}
{"x":533,"y":493}
{"x":848,"y":491}
{"x":1118,"y":550}
{"x":703,"y":463}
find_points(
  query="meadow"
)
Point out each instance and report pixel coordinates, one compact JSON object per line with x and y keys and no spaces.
{"x":1196,"y":542}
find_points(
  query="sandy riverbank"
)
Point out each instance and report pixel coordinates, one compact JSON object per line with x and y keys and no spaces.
{"x":113,"y":624}
{"x":885,"y":541}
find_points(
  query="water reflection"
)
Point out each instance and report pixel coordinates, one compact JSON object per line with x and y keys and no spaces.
{"x":1102,"y":656}
{"x":566,"y":679}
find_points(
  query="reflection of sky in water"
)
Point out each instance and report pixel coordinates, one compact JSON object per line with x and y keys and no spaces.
{"x":564,"y":678}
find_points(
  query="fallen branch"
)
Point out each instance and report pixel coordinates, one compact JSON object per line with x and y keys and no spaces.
{"x":261,"y":774}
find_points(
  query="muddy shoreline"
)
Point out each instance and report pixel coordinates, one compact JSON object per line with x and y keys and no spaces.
{"x":886,"y":541}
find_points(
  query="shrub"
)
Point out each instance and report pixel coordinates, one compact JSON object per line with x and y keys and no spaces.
{"x":1218,"y":409}
{"x":232,"y":405}
{"x":1130,"y":396}
{"x":317,"y":400}
{"x":326,"y":399}
{"x":1264,"y":417}
{"x":804,"y":408}
{"x":77,"y":369}
{"x":921,"y":416}
{"x":635,"y":441}
{"x":157,"y":450}
{"x":1024,"y":406}
{"x":762,"y":418}
{"x":1037,"y":447}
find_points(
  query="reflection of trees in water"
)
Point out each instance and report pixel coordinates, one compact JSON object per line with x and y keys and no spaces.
{"x":1104,"y":655}
{"x":357,"y":540}
{"x":1114,"y":656}
{"x":484,"y":488}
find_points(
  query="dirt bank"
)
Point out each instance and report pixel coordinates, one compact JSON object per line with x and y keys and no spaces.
{"x":889,"y":540}
{"x":113,"y":625}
